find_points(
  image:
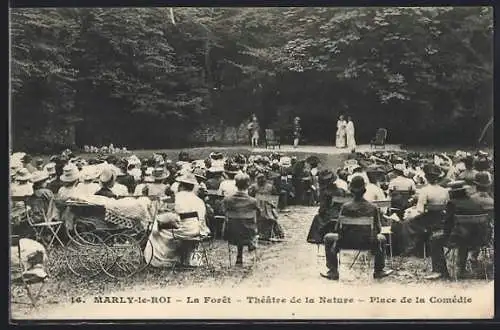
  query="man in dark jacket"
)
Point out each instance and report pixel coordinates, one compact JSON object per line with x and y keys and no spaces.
{"x":464,"y":236}
{"x":359,"y":207}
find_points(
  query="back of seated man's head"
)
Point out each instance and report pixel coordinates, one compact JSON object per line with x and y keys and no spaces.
{"x":242,"y":181}
{"x":357,"y":187}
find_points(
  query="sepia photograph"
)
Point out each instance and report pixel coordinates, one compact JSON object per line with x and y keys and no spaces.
{"x":270,"y":163}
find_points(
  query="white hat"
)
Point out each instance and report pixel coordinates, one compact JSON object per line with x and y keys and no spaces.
{"x":285,"y":161}
{"x":23,"y":175}
{"x":38,"y":176}
{"x":187,"y":178}
{"x":107,"y":175}
{"x":89,"y":172}
{"x":70,"y":173}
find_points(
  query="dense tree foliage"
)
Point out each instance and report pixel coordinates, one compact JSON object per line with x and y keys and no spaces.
{"x":148,"y":77}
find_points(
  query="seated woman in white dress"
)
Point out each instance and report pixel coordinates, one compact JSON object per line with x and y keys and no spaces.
{"x":173,"y":237}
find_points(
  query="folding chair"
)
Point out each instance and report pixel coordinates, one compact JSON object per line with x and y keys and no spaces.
{"x":230,"y":216}
{"x":200,"y":242}
{"x":379,"y":139}
{"x":25,"y":281}
{"x":470,"y":221}
{"x":39,"y":220}
{"x":362,"y":223}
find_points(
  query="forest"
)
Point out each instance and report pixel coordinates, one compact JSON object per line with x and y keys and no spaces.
{"x":156,"y":77}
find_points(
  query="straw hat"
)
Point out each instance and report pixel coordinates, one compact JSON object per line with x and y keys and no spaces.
{"x":160,"y":174}
{"x":188,"y":178}
{"x":107,"y":175}
{"x":70,"y":173}
{"x":89,"y":173}
{"x":38,"y":176}
{"x":199,"y":173}
{"x":23,"y":175}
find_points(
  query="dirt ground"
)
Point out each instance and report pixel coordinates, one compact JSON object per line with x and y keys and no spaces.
{"x":293,"y":263}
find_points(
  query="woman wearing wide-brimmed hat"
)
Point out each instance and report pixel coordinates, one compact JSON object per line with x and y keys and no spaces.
{"x":192,"y":212}
{"x":87,"y":185}
{"x":69,"y":179}
{"x":157,"y":187}
{"x":107,"y":179}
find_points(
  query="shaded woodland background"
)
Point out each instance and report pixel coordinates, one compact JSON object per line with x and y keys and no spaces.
{"x":172,"y":77}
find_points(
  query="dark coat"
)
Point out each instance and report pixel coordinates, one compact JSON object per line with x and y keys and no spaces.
{"x":241,"y":213}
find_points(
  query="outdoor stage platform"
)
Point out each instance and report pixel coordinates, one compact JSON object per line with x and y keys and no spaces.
{"x":331,"y":150}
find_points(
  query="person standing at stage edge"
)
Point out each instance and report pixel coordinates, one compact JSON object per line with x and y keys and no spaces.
{"x":255,"y":131}
{"x":297,"y":130}
{"x":351,"y":140}
{"x":340,"y":137}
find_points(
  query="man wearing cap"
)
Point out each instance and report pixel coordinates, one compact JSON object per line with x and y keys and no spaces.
{"x":359,"y":207}
{"x":461,"y":203}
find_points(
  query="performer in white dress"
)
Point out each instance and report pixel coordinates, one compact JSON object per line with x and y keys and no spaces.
{"x":340,"y":141}
{"x":351,"y":140}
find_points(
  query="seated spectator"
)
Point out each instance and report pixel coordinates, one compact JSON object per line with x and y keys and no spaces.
{"x":27,"y":163}
{"x":335,"y":241}
{"x":39,"y":164}
{"x":373,"y":191}
{"x":55,"y":184}
{"x":39,"y":180}
{"x":461,"y":203}
{"x":107,"y":179}
{"x":241,"y":213}
{"x":228,"y":186}
{"x":69,"y":179}
{"x":200,"y":189}
{"x":155,"y":188}
{"x":262,"y":186}
{"x":87,"y":185}
{"x":22,"y":185}
{"x":214,"y":178}
{"x":124,"y":178}
{"x":469,"y":174}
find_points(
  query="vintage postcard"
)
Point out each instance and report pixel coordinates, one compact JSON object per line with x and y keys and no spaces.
{"x":301,"y":163}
